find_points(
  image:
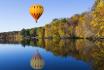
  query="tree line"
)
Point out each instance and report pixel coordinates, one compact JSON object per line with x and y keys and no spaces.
{"x":58,"y":28}
{"x":86,"y":25}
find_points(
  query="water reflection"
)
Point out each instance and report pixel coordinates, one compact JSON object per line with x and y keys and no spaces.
{"x":88,"y":51}
{"x":37,"y":61}
{"x":91,"y":52}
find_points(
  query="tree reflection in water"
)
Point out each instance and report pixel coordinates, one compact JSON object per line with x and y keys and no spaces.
{"x":89,"y":51}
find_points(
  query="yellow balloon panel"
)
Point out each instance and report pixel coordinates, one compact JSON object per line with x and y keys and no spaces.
{"x":36,"y":11}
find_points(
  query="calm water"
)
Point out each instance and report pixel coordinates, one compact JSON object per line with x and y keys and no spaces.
{"x":56,"y":55}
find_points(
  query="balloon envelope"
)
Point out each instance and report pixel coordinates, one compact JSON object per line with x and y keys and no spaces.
{"x":36,"y":10}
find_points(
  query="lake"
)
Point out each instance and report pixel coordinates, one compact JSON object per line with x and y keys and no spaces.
{"x":52,"y":55}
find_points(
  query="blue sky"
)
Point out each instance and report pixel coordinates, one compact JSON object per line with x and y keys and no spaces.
{"x":14,"y":14}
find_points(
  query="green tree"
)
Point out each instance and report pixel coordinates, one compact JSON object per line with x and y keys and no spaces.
{"x":23,"y":32}
{"x":27,"y":33}
{"x":33,"y":32}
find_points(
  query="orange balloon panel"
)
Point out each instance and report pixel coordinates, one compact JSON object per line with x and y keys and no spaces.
{"x":36,"y":11}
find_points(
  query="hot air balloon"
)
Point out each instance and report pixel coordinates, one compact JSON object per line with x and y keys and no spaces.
{"x":37,"y":61}
{"x":36,"y":10}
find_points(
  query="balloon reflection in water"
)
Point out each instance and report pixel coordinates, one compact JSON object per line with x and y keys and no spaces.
{"x":37,"y":61}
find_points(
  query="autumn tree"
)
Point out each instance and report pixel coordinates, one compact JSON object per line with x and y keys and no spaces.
{"x":73,"y":21}
{"x":48,"y":31}
{"x":98,"y":18}
{"x":40,"y":32}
